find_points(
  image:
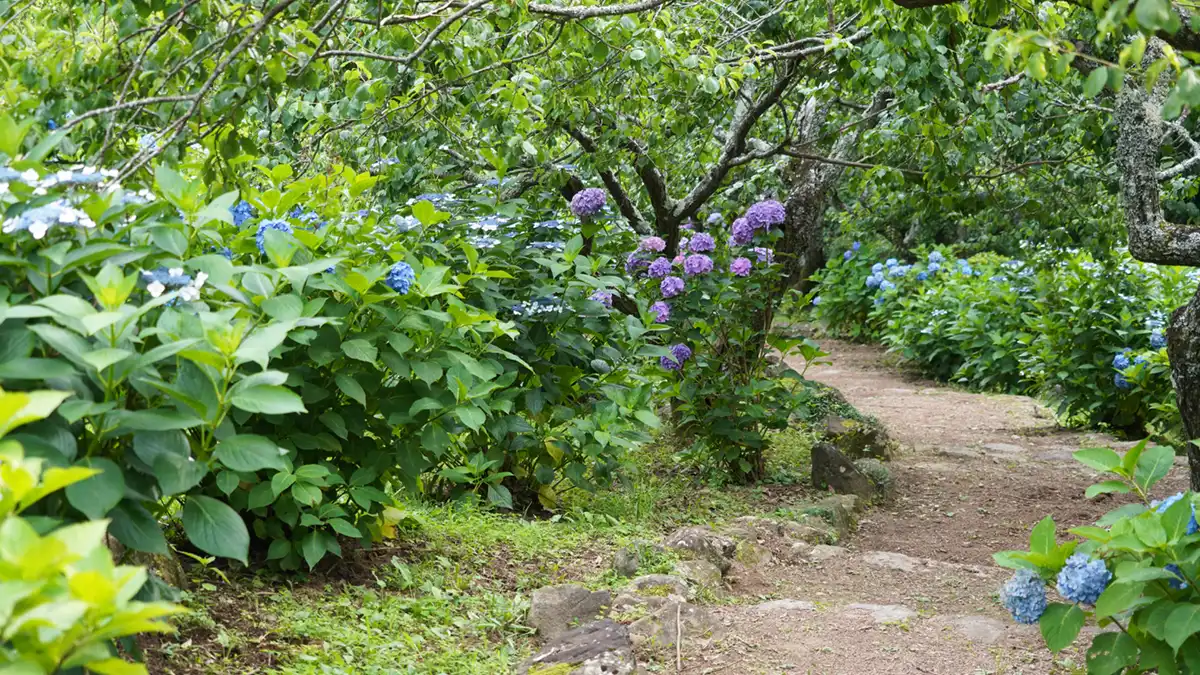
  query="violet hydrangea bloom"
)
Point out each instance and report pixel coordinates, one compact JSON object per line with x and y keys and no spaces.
{"x":671,"y":287}
{"x":661,"y":311}
{"x":702,"y":243}
{"x":766,"y":213}
{"x":635,"y":263}
{"x":602,"y":297}
{"x":679,"y":354}
{"x":697,"y":263}
{"x":588,"y":202}
{"x":765,"y":255}
{"x":656,"y":244}
{"x":743,"y":232}
{"x":740,"y":267}
{"x":658,"y":269}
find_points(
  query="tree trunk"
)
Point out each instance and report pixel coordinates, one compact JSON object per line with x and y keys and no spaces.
{"x":802,"y":249}
{"x":1183,"y":348}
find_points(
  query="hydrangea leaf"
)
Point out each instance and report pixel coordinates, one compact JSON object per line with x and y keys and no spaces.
{"x":1060,"y":625}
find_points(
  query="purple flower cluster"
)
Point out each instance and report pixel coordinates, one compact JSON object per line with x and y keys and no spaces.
{"x":697,"y":263}
{"x":655,"y":244}
{"x":661,"y":310}
{"x":588,"y":202}
{"x":766,"y":213}
{"x":658,"y":269}
{"x":635,"y":263}
{"x":765,"y":255}
{"x":602,"y":297}
{"x":743,"y":231}
{"x":701,"y":243}
{"x":679,"y":354}
{"x":740,"y":267}
{"x":671,"y":287}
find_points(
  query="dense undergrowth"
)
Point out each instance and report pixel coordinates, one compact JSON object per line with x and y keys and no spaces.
{"x":1084,"y":333}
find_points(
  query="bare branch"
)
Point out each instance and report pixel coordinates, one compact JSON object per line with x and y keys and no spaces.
{"x":1186,"y":164}
{"x":421,"y":48}
{"x":993,"y":86}
{"x":624,"y":204}
{"x":139,"y":103}
{"x":587,"y":12}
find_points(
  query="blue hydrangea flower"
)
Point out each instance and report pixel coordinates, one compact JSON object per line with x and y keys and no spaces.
{"x":242,"y":211}
{"x":1083,"y":579}
{"x":51,"y":125}
{"x":400,"y":278}
{"x":874,"y":280}
{"x":1160,"y":506}
{"x":934,"y":267}
{"x":1157,"y":340}
{"x":891,"y":262}
{"x":1120,"y":382}
{"x":1177,"y":583}
{"x":878,"y":300}
{"x":1121,"y":361}
{"x":855,"y":246}
{"x":658,"y":269}
{"x":922,"y":276}
{"x":936,"y":257}
{"x":260,"y":237}
{"x":1139,"y":359}
{"x":1024,"y":596}
{"x":225,"y":251}
{"x":897,"y":271}
{"x":886,"y":285}
{"x":877,"y":268}
{"x":816,"y":301}
{"x":847,"y":255}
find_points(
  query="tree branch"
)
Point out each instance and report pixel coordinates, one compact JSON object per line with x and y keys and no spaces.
{"x":624,"y":204}
{"x":587,"y":12}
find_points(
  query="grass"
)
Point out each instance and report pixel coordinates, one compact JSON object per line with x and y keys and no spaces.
{"x":450,"y":593}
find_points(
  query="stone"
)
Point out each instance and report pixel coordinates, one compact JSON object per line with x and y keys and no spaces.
{"x":752,"y":554}
{"x":659,"y":629}
{"x":877,"y":472}
{"x":628,"y":560}
{"x":554,"y":610}
{"x":699,"y":572}
{"x":598,"y":648}
{"x":891,"y":561}
{"x":784,"y":606}
{"x":831,"y":469}
{"x":659,"y":585}
{"x":884,"y":613}
{"x":1004,"y":448}
{"x":823,"y":553}
{"x":832,"y":510}
{"x":811,"y":530}
{"x":857,"y":438}
{"x":702,"y":543}
{"x":982,"y":629}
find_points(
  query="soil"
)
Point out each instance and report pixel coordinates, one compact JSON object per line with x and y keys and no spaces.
{"x":975,"y":473}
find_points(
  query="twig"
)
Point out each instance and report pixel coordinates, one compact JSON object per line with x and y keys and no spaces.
{"x":678,"y":638}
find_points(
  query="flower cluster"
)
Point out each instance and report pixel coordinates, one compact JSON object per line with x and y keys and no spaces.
{"x":740,"y":267}
{"x":679,"y":354}
{"x":765,"y":214}
{"x":1083,"y":579}
{"x":158,"y":281}
{"x":671,"y":287}
{"x":400,"y":278}
{"x":588,"y":202}
{"x":658,"y":269}
{"x":701,"y":243}
{"x":697,"y":263}
{"x":1024,"y":596}
{"x":532,"y":308}
{"x":1162,"y":505}
{"x":653,"y":244}
{"x":661,"y":311}
{"x":39,"y":220}
{"x":260,"y":237}
{"x":603,"y":297}
{"x":241,"y":212}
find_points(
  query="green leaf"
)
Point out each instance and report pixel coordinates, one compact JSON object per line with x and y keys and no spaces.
{"x":178,"y":474}
{"x":249,"y":453}
{"x":350,"y":387}
{"x":312,"y":547}
{"x":1110,"y":653}
{"x":360,"y":350}
{"x":428,"y":371}
{"x":134,"y":527}
{"x":215,"y":528}
{"x":1095,"y":82}
{"x":1153,"y":465}
{"x":1117,"y":598}
{"x":12,"y":134}
{"x":227,"y":482}
{"x":1152,"y":14}
{"x":268,"y":399}
{"x":218,"y":209}
{"x":499,"y":496}
{"x":97,"y":495}
{"x":261,"y":495}
{"x":1100,"y":459}
{"x":1041,"y":539}
{"x":1061,"y":624}
{"x":1106,"y":487}
{"x":1182,"y":623}
{"x":471,"y":416}
{"x":344,"y":528}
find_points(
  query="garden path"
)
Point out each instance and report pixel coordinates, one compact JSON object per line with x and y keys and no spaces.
{"x":975,"y":473}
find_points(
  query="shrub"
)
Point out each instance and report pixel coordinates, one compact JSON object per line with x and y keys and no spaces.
{"x":715,"y":302}
{"x":1136,"y":570}
{"x":63,"y":603}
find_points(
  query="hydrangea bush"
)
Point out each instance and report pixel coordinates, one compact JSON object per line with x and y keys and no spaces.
{"x":1054,"y":324}
{"x":1135,"y":572}
{"x":714,"y":302}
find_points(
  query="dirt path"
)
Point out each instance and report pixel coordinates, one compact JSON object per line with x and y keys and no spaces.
{"x":976,"y":472}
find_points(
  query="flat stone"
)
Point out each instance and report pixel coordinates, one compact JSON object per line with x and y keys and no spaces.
{"x":598,"y":648}
{"x":781,"y":606}
{"x":751,"y":554}
{"x":699,"y":572}
{"x":659,"y":629}
{"x":981,"y":629}
{"x":824,"y":552}
{"x":703,"y":543}
{"x":554,"y":610}
{"x":884,"y":613}
{"x":891,"y":561}
{"x":1004,"y":448}
{"x":659,"y":585}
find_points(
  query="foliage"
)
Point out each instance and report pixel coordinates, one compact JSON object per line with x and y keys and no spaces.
{"x":63,"y":604}
{"x":194,"y":347}
{"x":717,"y":305}
{"x":1136,"y":570}
{"x":1051,"y":324}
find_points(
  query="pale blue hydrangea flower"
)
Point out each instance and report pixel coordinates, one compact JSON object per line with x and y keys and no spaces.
{"x":400,"y":278}
{"x":1160,"y":506}
{"x":1083,"y":579}
{"x":1157,"y":340}
{"x":1024,"y":596}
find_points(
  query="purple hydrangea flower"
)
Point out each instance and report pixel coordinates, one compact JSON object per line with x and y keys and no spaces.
{"x":400,"y":278}
{"x":679,"y":354}
{"x":743,"y":232}
{"x":658,"y":269}
{"x":702,"y":243}
{"x":740,"y":267}
{"x":635,"y":263}
{"x":766,"y":213}
{"x":697,"y":263}
{"x":260,"y":237}
{"x":602,"y":297}
{"x":765,"y":255}
{"x":847,"y":255}
{"x":656,"y":244}
{"x":687,"y":226}
{"x":588,"y":202}
{"x":661,"y":310}
{"x":683,"y":243}
{"x":671,"y":287}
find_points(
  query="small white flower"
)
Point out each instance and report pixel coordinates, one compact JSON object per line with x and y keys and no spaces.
{"x":68,"y":216}
{"x":87,"y":222}
{"x":29,"y":176}
{"x":39,"y":228}
{"x":263,"y":133}
{"x":88,"y":170}
{"x":201,"y":277}
{"x":189,"y":293}
{"x":3,"y":188}
{"x":156,"y":289}
{"x":175,"y":271}
{"x":63,"y":175}
{"x":40,"y":192}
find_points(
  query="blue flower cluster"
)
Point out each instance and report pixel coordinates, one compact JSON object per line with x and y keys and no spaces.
{"x":1160,"y":506}
{"x":400,"y":278}
{"x":260,"y":237}
{"x":1083,"y":579}
{"x":242,"y":211}
{"x":1024,"y":596}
